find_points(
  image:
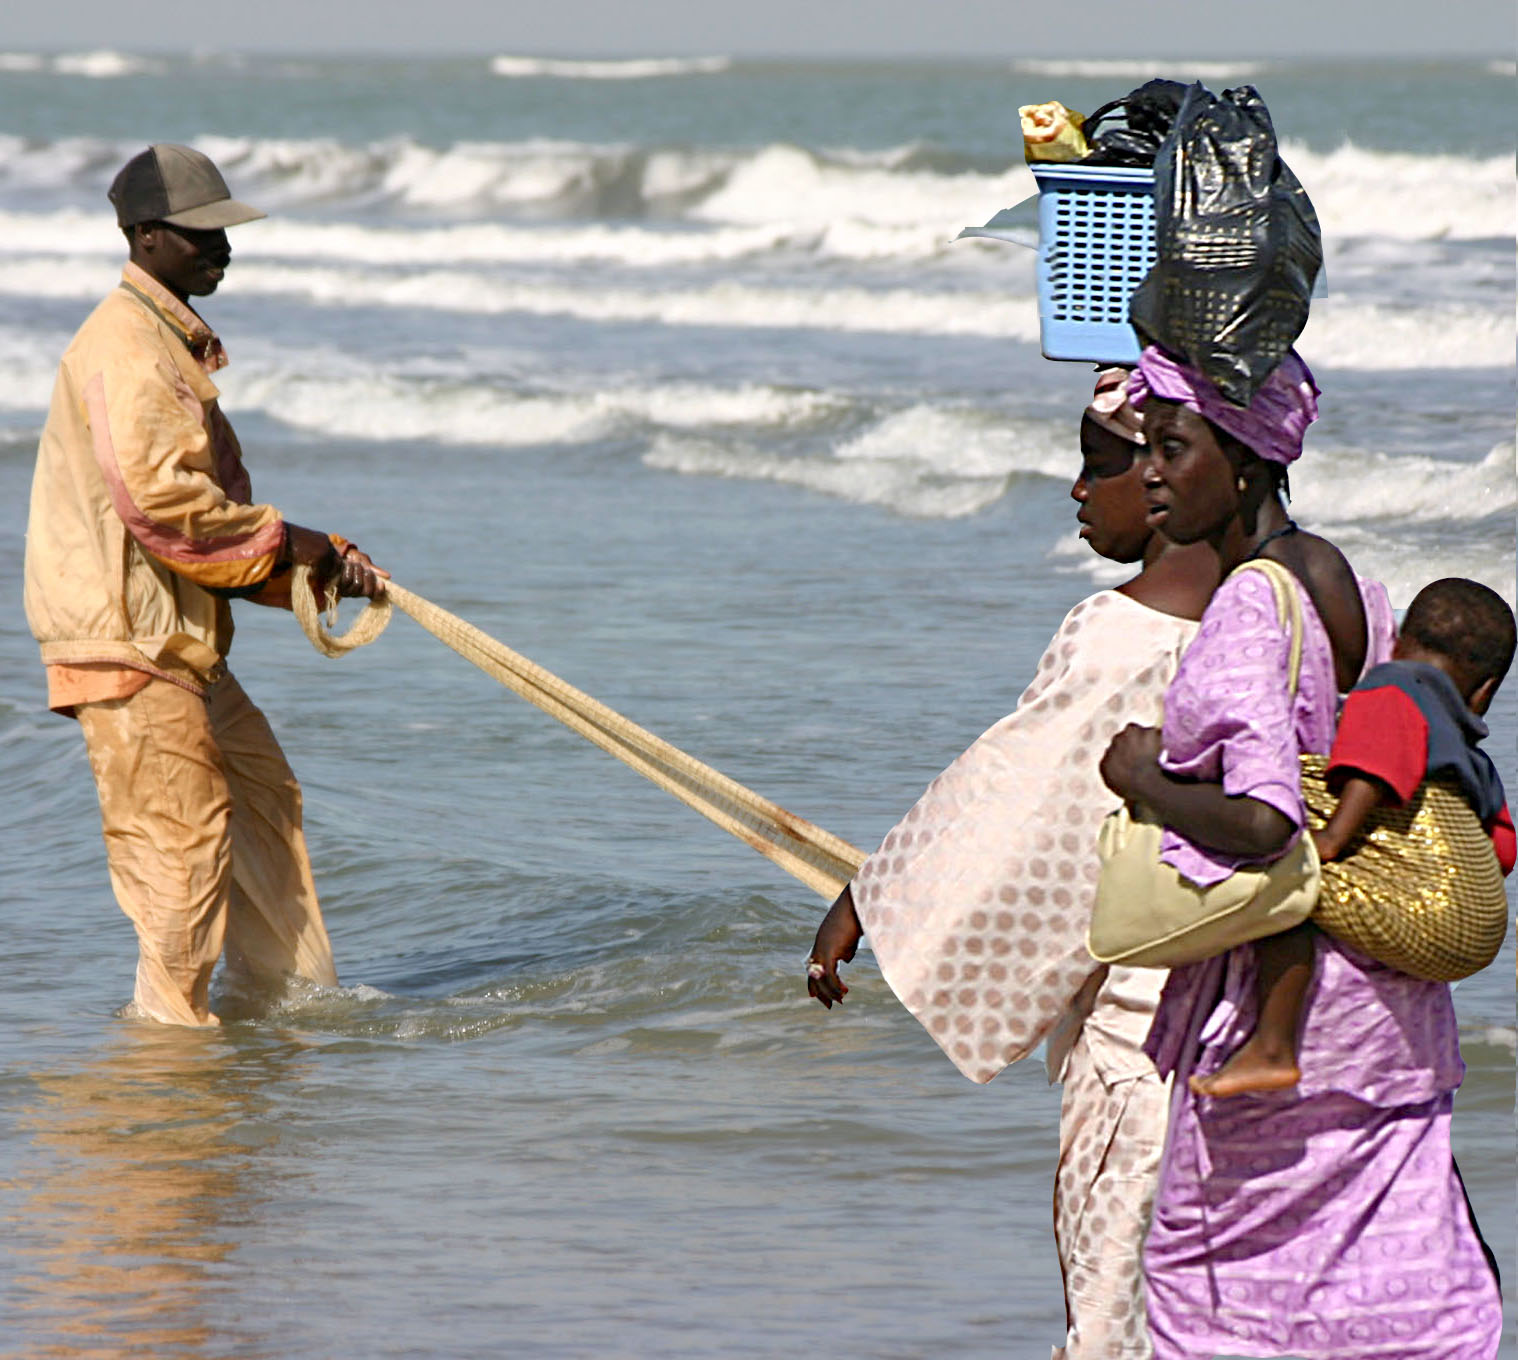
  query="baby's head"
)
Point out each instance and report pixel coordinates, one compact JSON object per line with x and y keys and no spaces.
{"x":1466,"y":630}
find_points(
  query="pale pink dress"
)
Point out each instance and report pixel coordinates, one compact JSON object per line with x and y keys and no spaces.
{"x":976,"y":906}
{"x":1326,"y":1222}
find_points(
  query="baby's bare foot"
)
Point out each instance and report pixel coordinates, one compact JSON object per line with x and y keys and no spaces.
{"x":1252,"y":1068}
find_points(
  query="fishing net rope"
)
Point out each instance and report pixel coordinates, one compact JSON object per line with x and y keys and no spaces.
{"x":820,"y":860}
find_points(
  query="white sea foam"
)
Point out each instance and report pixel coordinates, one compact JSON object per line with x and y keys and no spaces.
{"x":1405,"y":563}
{"x":22,"y":61}
{"x":1342,"y":334}
{"x":28,"y":364}
{"x":1407,"y":520}
{"x":1409,"y":490}
{"x":1503,"y":68}
{"x":77,"y":233}
{"x":953,"y":443}
{"x":931,"y":462}
{"x":537,"y":177}
{"x":30,"y":166}
{"x":103,"y":65}
{"x":939,"y":461}
{"x":905,"y":490}
{"x":1358,"y":193}
{"x":927,"y":458}
{"x":1406,"y":197}
{"x":384,"y":407}
{"x":549,"y":179}
{"x":724,"y":304}
{"x":1071,"y":553}
{"x":640,"y":68}
{"x":798,"y":185}
{"x":1500,"y":1036}
{"x":817,"y":235}
{"x":731,"y":305}
{"x":1137,"y":68}
{"x":445,"y":402}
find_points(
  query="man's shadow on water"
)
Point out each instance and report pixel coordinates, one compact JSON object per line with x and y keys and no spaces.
{"x":139,"y":1177}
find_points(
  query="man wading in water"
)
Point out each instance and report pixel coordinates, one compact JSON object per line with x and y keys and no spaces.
{"x":142,"y":528}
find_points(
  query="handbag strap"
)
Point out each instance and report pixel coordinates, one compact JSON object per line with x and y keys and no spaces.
{"x":1288,"y":609}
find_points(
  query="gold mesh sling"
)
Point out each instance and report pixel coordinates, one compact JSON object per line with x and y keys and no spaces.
{"x":1420,"y":889}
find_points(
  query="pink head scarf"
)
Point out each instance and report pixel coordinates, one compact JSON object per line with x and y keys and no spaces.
{"x":1272,"y":425}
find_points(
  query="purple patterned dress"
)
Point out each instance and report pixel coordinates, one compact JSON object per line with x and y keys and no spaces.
{"x":1327,"y":1221}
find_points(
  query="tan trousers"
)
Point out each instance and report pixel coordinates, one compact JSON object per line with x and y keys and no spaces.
{"x":202,"y":820}
{"x":1110,"y":1141}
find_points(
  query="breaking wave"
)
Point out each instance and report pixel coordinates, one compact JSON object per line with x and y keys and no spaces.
{"x":387,"y":407}
{"x":102,"y":65}
{"x":731,"y":305}
{"x":1341,"y":334}
{"x":1358,"y":193}
{"x":76,"y":232}
{"x":963,"y":468}
{"x":1128,"y":68}
{"x":642,"y":68}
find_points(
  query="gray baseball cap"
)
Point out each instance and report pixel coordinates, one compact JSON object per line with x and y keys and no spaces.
{"x":177,"y":185}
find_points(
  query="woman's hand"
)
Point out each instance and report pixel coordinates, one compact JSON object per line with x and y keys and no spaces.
{"x":837,"y":940}
{"x":1202,"y":812}
{"x":1131,"y":759}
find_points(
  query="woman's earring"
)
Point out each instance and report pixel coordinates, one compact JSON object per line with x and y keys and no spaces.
{"x":1243,"y":486}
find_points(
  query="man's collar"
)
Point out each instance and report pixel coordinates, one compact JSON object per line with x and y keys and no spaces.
{"x":204,"y":346}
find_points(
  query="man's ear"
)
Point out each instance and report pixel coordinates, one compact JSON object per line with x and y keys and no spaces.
{"x":1481,"y":697}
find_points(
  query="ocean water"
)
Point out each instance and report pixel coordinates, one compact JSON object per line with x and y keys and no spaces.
{"x":670,"y":375}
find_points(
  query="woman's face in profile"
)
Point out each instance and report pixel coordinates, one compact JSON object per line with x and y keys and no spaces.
{"x":1110,"y":493}
{"x":1190,"y":486}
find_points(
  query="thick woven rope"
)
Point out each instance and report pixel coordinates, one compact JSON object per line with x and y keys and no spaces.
{"x":1420,"y":889}
{"x":820,"y":860}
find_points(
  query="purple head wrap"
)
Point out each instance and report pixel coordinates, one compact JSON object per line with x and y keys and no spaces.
{"x":1273,"y":424}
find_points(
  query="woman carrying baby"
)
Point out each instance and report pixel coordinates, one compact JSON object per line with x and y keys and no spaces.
{"x":1326,"y":1220}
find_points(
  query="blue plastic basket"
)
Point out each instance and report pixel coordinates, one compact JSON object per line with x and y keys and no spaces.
{"x":1095,"y":244}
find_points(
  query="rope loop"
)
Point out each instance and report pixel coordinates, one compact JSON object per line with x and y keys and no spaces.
{"x":370,"y":623}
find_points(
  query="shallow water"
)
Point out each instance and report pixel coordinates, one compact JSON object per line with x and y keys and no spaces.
{"x":571,"y":1100}
{"x":794,"y":500}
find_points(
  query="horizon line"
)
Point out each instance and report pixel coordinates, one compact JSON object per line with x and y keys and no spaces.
{"x":917,"y":56}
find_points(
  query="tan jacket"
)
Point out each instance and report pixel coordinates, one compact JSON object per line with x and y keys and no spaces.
{"x":141,"y":507}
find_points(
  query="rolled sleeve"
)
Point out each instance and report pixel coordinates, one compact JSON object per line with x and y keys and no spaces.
{"x":1287,"y":800}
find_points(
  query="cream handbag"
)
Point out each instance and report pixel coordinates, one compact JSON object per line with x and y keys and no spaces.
{"x":1148,"y":915}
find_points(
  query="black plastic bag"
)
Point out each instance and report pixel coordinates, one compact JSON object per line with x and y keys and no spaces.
{"x":1149,"y":113}
{"x":1238,"y":245}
